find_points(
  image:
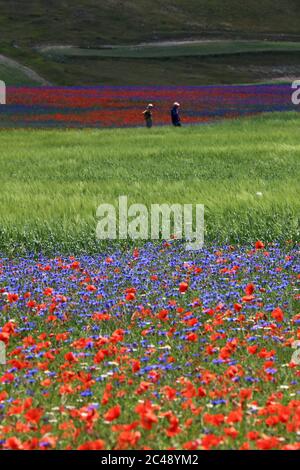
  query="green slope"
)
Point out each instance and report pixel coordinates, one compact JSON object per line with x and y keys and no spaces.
{"x":14,"y":77}
{"x":116,"y":21}
{"x":90,"y":24}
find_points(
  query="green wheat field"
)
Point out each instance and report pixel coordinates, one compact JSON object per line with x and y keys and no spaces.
{"x":245,"y":172}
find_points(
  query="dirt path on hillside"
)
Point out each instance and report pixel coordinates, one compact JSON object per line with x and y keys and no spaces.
{"x":47,"y":48}
{"x":166,"y":43}
{"x":22,"y":68}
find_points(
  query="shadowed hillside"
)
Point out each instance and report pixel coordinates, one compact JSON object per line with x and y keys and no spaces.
{"x":113,"y":21}
{"x":26,"y":29}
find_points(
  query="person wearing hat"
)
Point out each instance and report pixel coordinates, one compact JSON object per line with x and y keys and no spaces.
{"x":175,"y":115}
{"x":148,"y":116}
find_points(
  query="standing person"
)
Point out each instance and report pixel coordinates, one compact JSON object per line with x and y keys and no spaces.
{"x":148,"y":115}
{"x":175,"y":115}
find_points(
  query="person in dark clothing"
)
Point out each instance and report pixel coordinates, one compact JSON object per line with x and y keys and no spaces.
{"x":148,"y":116}
{"x":175,"y":115}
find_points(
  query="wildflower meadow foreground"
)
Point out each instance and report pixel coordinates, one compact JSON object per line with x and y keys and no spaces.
{"x":152,"y":348}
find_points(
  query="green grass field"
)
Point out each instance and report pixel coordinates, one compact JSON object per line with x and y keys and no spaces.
{"x":52,"y":182}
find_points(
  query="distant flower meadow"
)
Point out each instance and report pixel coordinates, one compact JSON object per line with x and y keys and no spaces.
{"x":151,"y":349}
{"x":105,"y":106}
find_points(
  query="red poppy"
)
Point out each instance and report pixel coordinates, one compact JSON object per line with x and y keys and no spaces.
{"x":192,"y":445}
{"x":93,"y":445}
{"x":146,"y":412}
{"x":12,"y":297}
{"x":235,"y":416}
{"x":163,"y":315}
{"x":210,"y":441}
{"x":136,"y":366}
{"x":238,"y":307}
{"x":183,"y":287}
{"x":34,"y":415}
{"x":113,"y":413}
{"x":259,"y":245}
{"x":70,"y":357}
{"x":13,"y":443}
{"x":193,"y":337}
{"x":130,"y":296}
{"x":249,"y":289}
{"x":174,"y":427}
{"x":128,"y":439}
{"x":214,"y":420}
{"x":48,"y":291}
{"x":91,"y":288}
{"x":231,"y":432}
{"x":267,"y":443}
{"x":248,"y":298}
{"x":278,"y":314}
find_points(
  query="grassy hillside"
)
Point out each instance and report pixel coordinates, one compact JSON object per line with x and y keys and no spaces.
{"x":55,"y":180}
{"x":115,"y":21}
{"x":14,"y":77}
{"x":92,"y":24}
{"x":226,"y":61}
{"x":182,"y":70}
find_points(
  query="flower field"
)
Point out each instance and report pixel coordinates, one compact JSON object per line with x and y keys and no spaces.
{"x":152,"y":348}
{"x":123,"y":106}
{"x":139,"y":345}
